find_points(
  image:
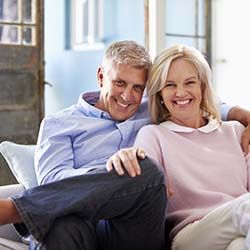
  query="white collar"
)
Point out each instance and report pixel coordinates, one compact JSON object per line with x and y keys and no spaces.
{"x":209,"y":127}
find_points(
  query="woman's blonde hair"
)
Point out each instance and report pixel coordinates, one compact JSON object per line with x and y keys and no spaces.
{"x":158,"y":76}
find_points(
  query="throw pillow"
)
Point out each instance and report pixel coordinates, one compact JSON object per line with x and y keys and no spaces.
{"x":20,"y":159}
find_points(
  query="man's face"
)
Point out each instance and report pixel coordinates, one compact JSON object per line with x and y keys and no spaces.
{"x":122,"y":88}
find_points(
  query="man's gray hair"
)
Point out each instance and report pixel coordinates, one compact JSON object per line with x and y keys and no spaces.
{"x":129,"y":53}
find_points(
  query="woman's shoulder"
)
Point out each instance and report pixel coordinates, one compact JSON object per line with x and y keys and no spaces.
{"x":151,"y":127}
{"x":232,"y":127}
{"x":149,"y":130}
{"x":154,"y":130}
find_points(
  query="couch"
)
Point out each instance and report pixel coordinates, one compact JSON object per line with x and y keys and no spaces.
{"x":20,"y":161}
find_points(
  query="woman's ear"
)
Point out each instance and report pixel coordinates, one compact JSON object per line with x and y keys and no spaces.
{"x":100,"y":76}
{"x":160,"y":95}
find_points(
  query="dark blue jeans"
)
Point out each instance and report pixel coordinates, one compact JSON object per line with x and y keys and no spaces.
{"x":98,"y":211}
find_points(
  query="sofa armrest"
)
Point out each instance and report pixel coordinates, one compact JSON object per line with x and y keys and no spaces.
{"x":8,"y":231}
{"x":10,"y":190}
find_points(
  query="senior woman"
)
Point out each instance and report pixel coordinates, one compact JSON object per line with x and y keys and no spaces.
{"x":206,"y":171}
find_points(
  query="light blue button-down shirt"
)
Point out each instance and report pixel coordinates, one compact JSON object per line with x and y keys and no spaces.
{"x":82,"y":137}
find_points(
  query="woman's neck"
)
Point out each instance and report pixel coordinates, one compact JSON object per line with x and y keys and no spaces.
{"x":191,"y":123}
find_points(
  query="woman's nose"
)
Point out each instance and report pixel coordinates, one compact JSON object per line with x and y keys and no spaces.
{"x":180,"y":91}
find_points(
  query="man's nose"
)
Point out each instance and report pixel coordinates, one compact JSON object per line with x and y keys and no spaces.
{"x":127,"y":94}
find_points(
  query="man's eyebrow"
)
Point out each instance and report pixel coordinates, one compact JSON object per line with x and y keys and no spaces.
{"x":142,"y":84}
{"x":119,"y":79}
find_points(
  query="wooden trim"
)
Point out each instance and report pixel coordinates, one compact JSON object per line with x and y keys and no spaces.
{"x":146,"y":24}
{"x":40,"y":46}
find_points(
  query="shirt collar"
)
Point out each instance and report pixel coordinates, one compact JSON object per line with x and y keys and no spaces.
{"x":209,"y":127}
{"x":88,"y":100}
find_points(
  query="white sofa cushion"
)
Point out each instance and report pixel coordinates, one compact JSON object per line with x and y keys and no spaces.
{"x":20,"y":159}
{"x":6,"y":244}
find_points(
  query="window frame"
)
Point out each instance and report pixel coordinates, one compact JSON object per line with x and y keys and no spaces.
{"x":21,"y":25}
{"x":87,"y":34}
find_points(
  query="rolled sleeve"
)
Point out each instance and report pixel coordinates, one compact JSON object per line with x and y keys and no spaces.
{"x":224,"y":110}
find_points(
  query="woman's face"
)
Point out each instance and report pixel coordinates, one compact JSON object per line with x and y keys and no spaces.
{"x":182,"y":93}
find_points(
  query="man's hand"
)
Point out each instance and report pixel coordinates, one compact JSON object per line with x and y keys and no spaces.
{"x":126,"y":159}
{"x":245,"y":140}
{"x":243,"y":116}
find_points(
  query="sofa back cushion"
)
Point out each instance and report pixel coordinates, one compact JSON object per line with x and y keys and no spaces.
{"x":20,"y":159}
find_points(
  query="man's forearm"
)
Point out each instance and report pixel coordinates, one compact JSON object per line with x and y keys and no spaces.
{"x":8,"y":212}
{"x":239,"y":114}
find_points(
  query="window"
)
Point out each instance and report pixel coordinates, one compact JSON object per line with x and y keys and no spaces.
{"x":176,"y":21}
{"x":190,"y":24}
{"x":18,"y":22}
{"x":86,"y":24}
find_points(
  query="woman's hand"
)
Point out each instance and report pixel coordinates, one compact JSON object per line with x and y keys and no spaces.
{"x":126,"y":159}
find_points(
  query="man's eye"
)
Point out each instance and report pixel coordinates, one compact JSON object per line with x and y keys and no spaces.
{"x":119,"y":82}
{"x":138,"y":88}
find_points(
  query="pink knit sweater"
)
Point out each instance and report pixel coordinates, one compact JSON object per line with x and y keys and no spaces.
{"x":204,"y":167}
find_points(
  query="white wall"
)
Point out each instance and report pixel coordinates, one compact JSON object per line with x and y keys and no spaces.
{"x":231,"y":51}
{"x":72,"y":72}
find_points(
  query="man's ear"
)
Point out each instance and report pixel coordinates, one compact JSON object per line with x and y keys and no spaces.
{"x":100,"y":76}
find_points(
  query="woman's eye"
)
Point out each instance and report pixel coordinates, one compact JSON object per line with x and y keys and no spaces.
{"x":169,"y":85}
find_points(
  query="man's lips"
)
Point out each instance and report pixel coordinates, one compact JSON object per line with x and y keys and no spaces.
{"x":123,"y":105}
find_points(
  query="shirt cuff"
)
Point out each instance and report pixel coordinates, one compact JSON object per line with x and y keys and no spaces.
{"x":224,"y":109}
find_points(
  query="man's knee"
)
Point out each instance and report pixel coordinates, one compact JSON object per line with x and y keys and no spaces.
{"x":152,"y":170}
{"x":154,"y":178}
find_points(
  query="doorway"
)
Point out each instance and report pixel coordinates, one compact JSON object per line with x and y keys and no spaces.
{"x":21,"y":73}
